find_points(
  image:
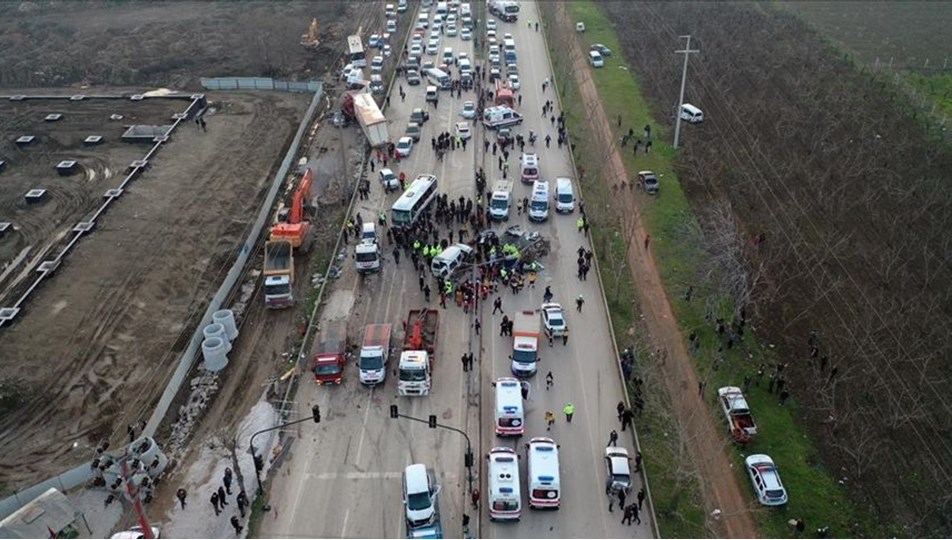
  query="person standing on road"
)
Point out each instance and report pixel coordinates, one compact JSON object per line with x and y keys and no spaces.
{"x":221,"y":497}
{"x":548,"y":140}
{"x":621,"y":500}
{"x":612,"y":439}
{"x":629,"y":515}
{"x":242,"y":502}
{"x":237,"y":525}
{"x":474,"y":497}
{"x":226,"y":479}
{"x":214,"y":501}
{"x":626,"y":417}
{"x":549,"y":380}
{"x":181,"y":494}
{"x":647,"y":241}
{"x":579,"y":302}
{"x":426,"y":293}
{"x":569,"y":410}
{"x":465,"y":361}
{"x":497,"y":305}
{"x":503,"y":325}
{"x":641,"y":497}
{"x":477,"y":326}
{"x":565,"y":337}
{"x":549,"y":420}
{"x":620,"y":408}
{"x":638,"y":461}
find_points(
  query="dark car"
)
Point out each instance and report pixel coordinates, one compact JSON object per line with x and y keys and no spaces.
{"x":420,"y":116}
{"x":602,"y":50}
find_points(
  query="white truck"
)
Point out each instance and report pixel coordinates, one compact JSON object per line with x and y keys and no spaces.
{"x":278,"y":274}
{"x":501,"y":200}
{"x":371,"y":120}
{"x":740,"y":423}
{"x":414,"y":374}
{"x":367,"y":258}
{"x":526,"y":330}
{"x":374,"y":354}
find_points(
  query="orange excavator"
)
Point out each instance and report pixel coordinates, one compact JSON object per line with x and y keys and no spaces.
{"x":293,"y":226}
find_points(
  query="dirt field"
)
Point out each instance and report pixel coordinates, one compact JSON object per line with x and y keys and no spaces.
{"x":167,"y":44}
{"x":844,"y":189}
{"x":98,"y":341}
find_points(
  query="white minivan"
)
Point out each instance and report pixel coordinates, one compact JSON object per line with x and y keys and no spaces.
{"x":503,"y":493}
{"x":539,"y":201}
{"x":510,"y":416}
{"x":596,"y":59}
{"x":564,"y":195}
{"x":419,"y":496}
{"x":450,"y":259}
{"x":691,"y":114}
{"x":543,"y":473}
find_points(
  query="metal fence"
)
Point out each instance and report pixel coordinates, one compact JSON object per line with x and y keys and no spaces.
{"x":259,"y":83}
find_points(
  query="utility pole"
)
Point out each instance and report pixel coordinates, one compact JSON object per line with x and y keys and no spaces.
{"x":259,"y":460}
{"x":684,"y":77}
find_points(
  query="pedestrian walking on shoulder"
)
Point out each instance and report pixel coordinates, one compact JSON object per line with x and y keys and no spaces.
{"x":465,"y":360}
{"x":221,"y":497}
{"x":565,"y":337}
{"x":549,"y":420}
{"x":226,"y":479}
{"x":497,"y":305}
{"x":579,"y":302}
{"x":620,"y":408}
{"x":214,"y":501}
{"x":626,"y":418}
{"x":426,"y":293}
{"x":641,"y":497}
{"x":474,"y":497}
{"x":181,"y":494}
{"x":638,"y":461}
{"x":629,"y":515}
{"x":477,"y":326}
{"x":569,"y":410}
{"x":237,"y":525}
{"x":612,"y":438}
{"x":242,"y":502}
{"x":549,"y":380}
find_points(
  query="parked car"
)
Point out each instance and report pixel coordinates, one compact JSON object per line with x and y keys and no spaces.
{"x":404,"y":146}
{"x":420,"y":116}
{"x":389,"y":180}
{"x":451,"y":30}
{"x":413,"y":77}
{"x":469,"y":110}
{"x":554,"y":320}
{"x":766,"y":480}
{"x":618,"y":470}
{"x":463,"y":130}
{"x":466,"y":34}
{"x":416,"y":49}
{"x":648,"y":182}
{"x":503,"y":135}
{"x":514,"y":81}
{"x":602,"y":50}
{"x":491,"y":24}
{"x":413,"y":131}
{"x":135,"y":533}
{"x":596,"y":59}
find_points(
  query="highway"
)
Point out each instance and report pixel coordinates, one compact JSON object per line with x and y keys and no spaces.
{"x":343,"y":476}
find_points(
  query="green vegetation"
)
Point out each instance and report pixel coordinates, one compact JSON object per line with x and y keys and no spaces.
{"x":257,"y":511}
{"x":679,"y":252}
{"x":937,"y":87}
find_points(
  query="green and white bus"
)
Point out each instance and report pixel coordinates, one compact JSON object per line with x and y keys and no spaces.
{"x":414,"y":201}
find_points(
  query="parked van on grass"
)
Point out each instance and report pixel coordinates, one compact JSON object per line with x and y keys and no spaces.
{"x":691,"y":114}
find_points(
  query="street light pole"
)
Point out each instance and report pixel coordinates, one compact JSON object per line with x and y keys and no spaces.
{"x":468,"y":460}
{"x":315,"y":416}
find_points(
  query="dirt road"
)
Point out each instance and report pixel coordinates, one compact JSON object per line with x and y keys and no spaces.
{"x":705,"y":441}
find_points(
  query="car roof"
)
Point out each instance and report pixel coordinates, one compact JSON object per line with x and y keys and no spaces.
{"x":407,"y":140}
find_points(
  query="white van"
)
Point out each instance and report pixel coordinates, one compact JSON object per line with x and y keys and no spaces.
{"x":432,"y":93}
{"x":503,"y":493}
{"x":530,"y":167}
{"x":442,"y":9}
{"x":439,"y":78}
{"x":450,"y":259}
{"x":448,"y":57}
{"x":543,"y":473}
{"x":564,"y":195}
{"x":499,"y":117}
{"x":691,"y":114}
{"x":539,"y":202}
{"x":510,"y":416}
{"x":595,"y":58}
{"x":401,"y":6}
{"x":501,"y":200}
{"x":419,"y":496}
{"x":368,"y":233}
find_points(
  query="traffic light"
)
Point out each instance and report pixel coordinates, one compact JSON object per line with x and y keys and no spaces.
{"x":433,"y":421}
{"x":316,"y":410}
{"x":259,"y":463}
{"x":393,"y":411}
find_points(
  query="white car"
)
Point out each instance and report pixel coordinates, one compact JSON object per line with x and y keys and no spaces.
{"x":404,"y":146}
{"x":507,"y":35}
{"x":514,"y":81}
{"x":134,"y":533}
{"x":376,"y":65}
{"x":469,"y":110}
{"x":491,"y":24}
{"x":416,"y":49}
{"x":451,"y":30}
{"x":491,"y":33}
{"x":387,"y":50}
{"x":766,"y":480}
{"x":466,"y":35}
{"x":618,"y":470}
{"x":554,"y":320}
{"x":434,"y":34}
{"x":463,"y":130}
{"x":433,"y":47}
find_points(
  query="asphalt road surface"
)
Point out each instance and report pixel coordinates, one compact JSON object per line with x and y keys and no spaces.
{"x":343,"y":477}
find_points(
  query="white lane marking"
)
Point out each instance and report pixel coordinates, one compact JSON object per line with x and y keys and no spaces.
{"x":367,"y":475}
{"x":343,"y":529}
{"x":363,"y":427}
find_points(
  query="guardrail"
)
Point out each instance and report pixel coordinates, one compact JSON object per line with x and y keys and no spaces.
{"x":259,"y":83}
